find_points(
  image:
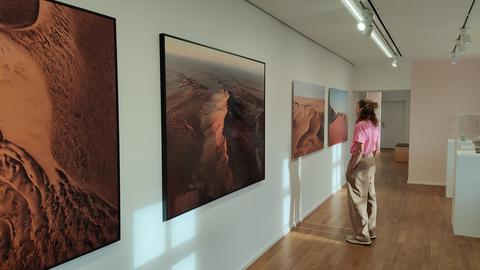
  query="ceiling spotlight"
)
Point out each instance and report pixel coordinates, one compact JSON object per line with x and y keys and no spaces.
{"x":461,"y":46}
{"x":395,"y":62}
{"x":454,"y":58}
{"x":467,"y":40}
{"x":368,"y":30}
{"x":361,"y":26}
{"x":464,"y":37}
{"x":366,"y":24}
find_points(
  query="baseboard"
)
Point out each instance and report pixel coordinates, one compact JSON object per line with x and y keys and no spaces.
{"x":269,"y":246}
{"x":425,"y":183}
{"x":285,"y":232}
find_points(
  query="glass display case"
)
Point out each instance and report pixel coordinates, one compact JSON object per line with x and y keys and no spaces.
{"x":463,"y":133}
{"x":468,"y":132}
{"x":452,"y":126}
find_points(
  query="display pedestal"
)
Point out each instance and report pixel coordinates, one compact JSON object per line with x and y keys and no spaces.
{"x":451,"y":151}
{"x":466,"y":202}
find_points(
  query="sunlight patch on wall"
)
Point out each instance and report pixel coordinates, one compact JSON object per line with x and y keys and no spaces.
{"x":286,"y":174}
{"x":337,"y":153}
{"x":187,"y":263}
{"x":299,"y":170}
{"x":340,"y":152}
{"x":148,"y":234}
{"x":336,"y":178}
{"x":286,"y":212}
{"x":183,"y":228}
{"x":337,"y":170}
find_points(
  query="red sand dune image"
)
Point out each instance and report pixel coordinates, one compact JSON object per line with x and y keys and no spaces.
{"x":337,"y":116}
{"x":338,"y":129}
{"x":59,"y":181}
{"x":307,"y":126}
{"x":214,"y":124}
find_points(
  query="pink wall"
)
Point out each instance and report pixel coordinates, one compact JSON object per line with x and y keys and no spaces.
{"x":438,"y":89}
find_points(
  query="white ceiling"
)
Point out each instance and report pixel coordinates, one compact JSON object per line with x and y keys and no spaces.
{"x":422,"y":29}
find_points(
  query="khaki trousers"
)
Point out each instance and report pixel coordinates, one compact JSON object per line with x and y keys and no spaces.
{"x":362,"y":200}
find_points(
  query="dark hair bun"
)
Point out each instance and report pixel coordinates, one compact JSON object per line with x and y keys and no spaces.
{"x":367,"y":110}
{"x":368,"y":104}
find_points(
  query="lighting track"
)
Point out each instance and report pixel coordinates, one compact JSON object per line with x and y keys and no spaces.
{"x":365,"y":16}
{"x":385,"y":28}
{"x":381,"y":32}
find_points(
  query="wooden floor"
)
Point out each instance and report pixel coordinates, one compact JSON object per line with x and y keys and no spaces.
{"x":414,"y":231}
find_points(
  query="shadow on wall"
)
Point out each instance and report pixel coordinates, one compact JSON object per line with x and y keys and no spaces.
{"x":337,"y":168}
{"x":170,"y":243}
{"x":292,"y":183}
{"x":295,"y":183}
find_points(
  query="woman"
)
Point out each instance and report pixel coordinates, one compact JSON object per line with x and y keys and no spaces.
{"x":360,"y":174}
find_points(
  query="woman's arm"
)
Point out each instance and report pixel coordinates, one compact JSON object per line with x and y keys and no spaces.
{"x":355,"y":159}
{"x":377,"y":147}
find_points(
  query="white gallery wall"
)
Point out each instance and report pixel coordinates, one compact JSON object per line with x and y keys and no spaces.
{"x":230,"y":232}
{"x":439,"y":89}
{"x":381,"y":76}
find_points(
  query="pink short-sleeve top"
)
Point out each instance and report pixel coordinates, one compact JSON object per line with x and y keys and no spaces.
{"x":368,"y":134}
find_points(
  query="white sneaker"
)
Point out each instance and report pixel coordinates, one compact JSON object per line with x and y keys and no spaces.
{"x":355,"y":240}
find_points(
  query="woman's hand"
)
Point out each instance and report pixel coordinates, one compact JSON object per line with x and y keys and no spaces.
{"x":354,"y":160}
{"x":348,"y":175}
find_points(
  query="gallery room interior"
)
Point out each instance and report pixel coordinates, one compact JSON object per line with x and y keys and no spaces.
{"x":217,"y":134}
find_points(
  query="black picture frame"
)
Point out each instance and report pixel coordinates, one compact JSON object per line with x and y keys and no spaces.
{"x":164,"y":151}
{"x":118,"y":232}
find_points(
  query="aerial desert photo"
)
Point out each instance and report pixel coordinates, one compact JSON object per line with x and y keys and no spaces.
{"x":59,"y":175}
{"x":215,"y":124}
{"x":308,"y":122}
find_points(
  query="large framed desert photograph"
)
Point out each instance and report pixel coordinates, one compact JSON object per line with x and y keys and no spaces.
{"x":308,"y":118}
{"x":59,"y":158}
{"x":213,"y":123}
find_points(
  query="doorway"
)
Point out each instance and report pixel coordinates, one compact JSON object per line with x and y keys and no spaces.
{"x":395,"y":118}
{"x":393,"y":123}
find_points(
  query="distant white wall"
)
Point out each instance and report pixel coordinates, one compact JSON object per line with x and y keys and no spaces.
{"x":403,"y":96}
{"x":230,"y":232}
{"x":439,"y":89}
{"x":381,"y":75}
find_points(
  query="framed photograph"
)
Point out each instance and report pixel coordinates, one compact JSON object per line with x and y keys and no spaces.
{"x":337,"y":116}
{"x":213,"y":123}
{"x":308,"y":118}
{"x":59,"y":152}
